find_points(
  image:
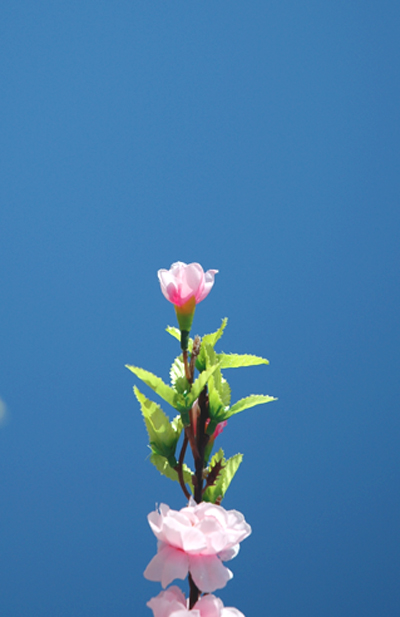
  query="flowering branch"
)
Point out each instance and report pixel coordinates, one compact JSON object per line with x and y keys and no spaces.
{"x":196,"y":540}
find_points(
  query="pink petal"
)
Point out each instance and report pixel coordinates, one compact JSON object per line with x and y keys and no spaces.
{"x":209,"y":606}
{"x":167,"y":565}
{"x":184,"y":281}
{"x":168,"y":602}
{"x":208,"y":283}
{"x":192,"y":283}
{"x":208,"y":572}
{"x":185,"y":537}
{"x":220,"y":428}
{"x":229,"y":553}
{"x":229,"y":611}
{"x":167,"y":284}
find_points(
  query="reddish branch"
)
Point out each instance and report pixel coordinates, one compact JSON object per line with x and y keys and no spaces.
{"x":179,"y":468}
{"x":198,"y":440}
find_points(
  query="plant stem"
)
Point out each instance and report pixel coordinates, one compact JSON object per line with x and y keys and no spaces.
{"x":188,"y":375}
{"x":201,"y":439}
{"x":179,"y":467}
{"x":198,"y":444}
{"x":194,"y":593}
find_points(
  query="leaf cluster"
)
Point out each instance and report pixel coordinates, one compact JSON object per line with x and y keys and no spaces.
{"x":181,"y":395}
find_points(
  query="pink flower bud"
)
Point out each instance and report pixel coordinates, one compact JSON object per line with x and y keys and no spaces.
{"x":185,"y":281}
{"x":195,"y":539}
{"x":196,"y":412}
{"x":220,"y":428}
{"x":172,"y":603}
{"x":185,"y":285}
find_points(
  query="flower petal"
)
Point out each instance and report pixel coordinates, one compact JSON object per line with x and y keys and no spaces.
{"x":168,"y":602}
{"x":185,"y":281}
{"x":209,"y":606}
{"x":169,"y":564}
{"x":208,"y":572}
{"x":229,"y":611}
{"x":229,"y":553}
{"x":208,"y":284}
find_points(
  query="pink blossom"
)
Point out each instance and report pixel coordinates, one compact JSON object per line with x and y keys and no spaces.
{"x":195,"y":539}
{"x":172,"y":603}
{"x":220,"y":427}
{"x":185,"y":281}
{"x":196,"y":412}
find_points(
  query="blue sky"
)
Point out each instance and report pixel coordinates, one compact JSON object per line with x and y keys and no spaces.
{"x":257,"y":138}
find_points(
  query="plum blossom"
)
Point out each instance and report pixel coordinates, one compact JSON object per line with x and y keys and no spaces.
{"x":185,"y":285}
{"x":195,"y":539}
{"x":172,"y":603}
{"x":185,"y":281}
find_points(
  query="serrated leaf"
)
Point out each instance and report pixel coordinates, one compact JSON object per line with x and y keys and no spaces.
{"x":165,"y":469}
{"x":203,"y":360}
{"x":209,"y":340}
{"x":210,"y":355}
{"x":177,"y":375}
{"x":177,"y":424}
{"x":230,"y":467}
{"x":235,"y":360}
{"x":225,"y":392}
{"x":212,"y":338}
{"x":156,"y":383}
{"x":213,"y":474}
{"x":199,"y":385}
{"x":216,"y":406}
{"x":175,"y":332}
{"x":218,"y":456}
{"x":163,"y":435}
{"x":177,"y":370}
{"x":218,"y":382}
{"x":247,"y":402}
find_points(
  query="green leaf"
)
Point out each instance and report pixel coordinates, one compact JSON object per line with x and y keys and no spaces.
{"x":163,"y":435}
{"x":230,"y":467}
{"x":177,"y":424}
{"x":246,"y":403}
{"x":175,"y":332}
{"x":177,"y":370}
{"x":217,"y":408}
{"x":235,"y":360}
{"x":225,"y":392}
{"x":207,"y":352}
{"x":178,"y":378}
{"x":165,"y":469}
{"x":156,"y":384}
{"x":199,"y":384}
{"x":212,"y":338}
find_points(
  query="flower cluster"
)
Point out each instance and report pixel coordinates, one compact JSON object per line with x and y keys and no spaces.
{"x":195,"y":539}
{"x":172,"y":603}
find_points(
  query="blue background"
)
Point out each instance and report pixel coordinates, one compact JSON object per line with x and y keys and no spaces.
{"x":259,"y":138}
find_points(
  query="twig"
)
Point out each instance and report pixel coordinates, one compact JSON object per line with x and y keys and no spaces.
{"x":190,"y":435}
{"x":195,"y":353}
{"x":186,"y":365}
{"x":194,"y":592}
{"x":179,"y":467}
